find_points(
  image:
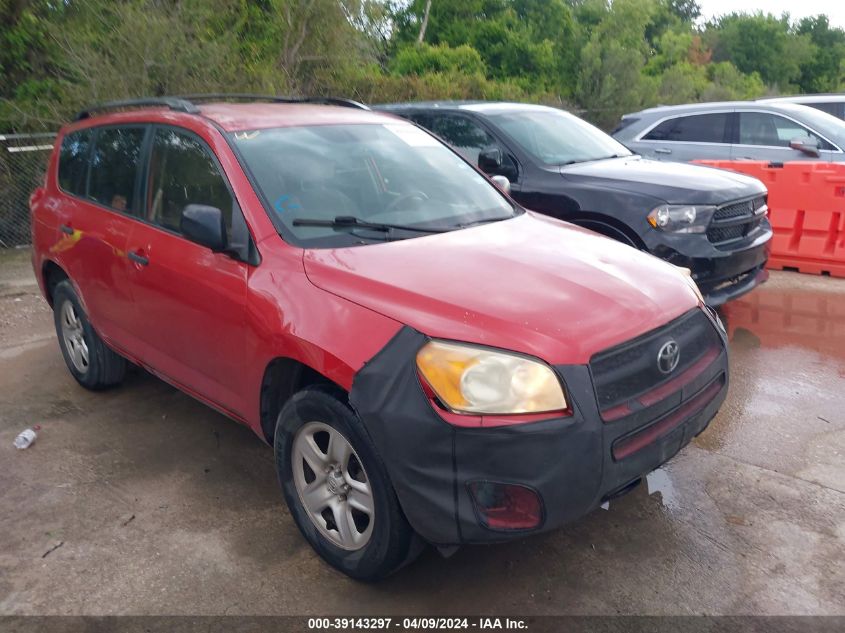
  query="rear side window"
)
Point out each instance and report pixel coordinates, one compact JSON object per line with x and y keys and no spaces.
{"x":831,"y":108}
{"x":182,"y":172}
{"x":114,"y":167}
{"x":698,"y":128}
{"x":73,"y":161}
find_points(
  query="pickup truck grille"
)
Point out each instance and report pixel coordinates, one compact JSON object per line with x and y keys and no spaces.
{"x":734,"y":221}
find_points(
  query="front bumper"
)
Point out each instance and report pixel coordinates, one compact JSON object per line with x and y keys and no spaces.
{"x":568,"y":461}
{"x":721,"y":275}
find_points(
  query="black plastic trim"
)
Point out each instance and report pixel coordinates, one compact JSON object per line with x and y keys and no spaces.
{"x":173,"y":103}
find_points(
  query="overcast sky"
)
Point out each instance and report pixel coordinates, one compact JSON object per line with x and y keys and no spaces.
{"x":834,"y":9}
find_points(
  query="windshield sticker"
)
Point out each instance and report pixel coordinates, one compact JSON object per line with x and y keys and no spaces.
{"x":247,"y":136}
{"x":413,"y":136}
{"x":285,"y":203}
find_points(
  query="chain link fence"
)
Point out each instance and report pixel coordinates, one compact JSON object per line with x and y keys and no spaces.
{"x":23,"y":160}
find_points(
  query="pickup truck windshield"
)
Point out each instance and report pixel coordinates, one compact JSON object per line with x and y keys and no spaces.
{"x":365,"y":175}
{"x":554,"y":137}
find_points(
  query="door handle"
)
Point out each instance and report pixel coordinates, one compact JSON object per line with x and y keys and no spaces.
{"x":138,"y":258}
{"x":67,"y":229}
{"x":662,"y":150}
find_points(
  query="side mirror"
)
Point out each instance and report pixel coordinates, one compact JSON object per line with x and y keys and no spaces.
{"x":204,"y":225}
{"x":809,"y":146}
{"x":502,"y":183}
{"x":490,"y":160}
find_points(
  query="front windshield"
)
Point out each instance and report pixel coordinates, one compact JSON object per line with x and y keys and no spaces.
{"x":554,"y":137}
{"x":382,"y":174}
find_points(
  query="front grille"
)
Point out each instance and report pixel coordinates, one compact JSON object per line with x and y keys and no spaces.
{"x":735,"y":221}
{"x":628,"y":371}
{"x":735,"y":210}
{"x":725,"y":233}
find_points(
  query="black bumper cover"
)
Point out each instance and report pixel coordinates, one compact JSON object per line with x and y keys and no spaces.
{"x":721,"y":275}
{"x":568,"y":461}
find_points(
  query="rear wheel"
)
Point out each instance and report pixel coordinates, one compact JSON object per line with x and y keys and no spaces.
{"x":89,"y":360}
{"x":337,"y":487}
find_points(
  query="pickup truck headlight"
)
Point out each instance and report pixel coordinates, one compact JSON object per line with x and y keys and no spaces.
{"x":681,"y":218}
{"x":470,"y":379}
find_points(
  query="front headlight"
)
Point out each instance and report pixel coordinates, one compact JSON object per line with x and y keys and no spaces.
{"x":471,"y":379}
{"x":681,"y":218}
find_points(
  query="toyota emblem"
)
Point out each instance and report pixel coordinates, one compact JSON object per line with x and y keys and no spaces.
{"x":668,"y":357}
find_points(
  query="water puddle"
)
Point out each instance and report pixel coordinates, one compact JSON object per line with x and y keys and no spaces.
{"x":659,"y":481}
{"x":775,"y":316}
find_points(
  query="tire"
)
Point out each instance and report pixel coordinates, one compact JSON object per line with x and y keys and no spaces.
{"x":612,"y":232}
{"x":89,"y":360}
{"x":376,"y":544}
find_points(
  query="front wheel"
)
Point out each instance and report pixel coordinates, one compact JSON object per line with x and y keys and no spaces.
{"x":337,"y":487}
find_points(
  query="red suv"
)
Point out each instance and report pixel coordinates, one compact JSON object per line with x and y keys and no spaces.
{"x":431,"y":362}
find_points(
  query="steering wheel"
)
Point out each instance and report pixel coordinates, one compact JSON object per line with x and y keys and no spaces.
{"x":421,"y":196}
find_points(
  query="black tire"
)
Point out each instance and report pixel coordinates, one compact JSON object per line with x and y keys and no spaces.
{"x":612,"y":232}
{"x":105,"y":368}
{"x":392,"y":542}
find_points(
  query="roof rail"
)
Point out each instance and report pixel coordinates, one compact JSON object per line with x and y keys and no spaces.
{"x":187,"y":103}
{"x":174,"y":103}
{"x":335,"y":101}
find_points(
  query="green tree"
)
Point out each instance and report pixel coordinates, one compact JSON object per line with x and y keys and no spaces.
{"x":763,"y":44}
{"x":825,"y":70}
{"x":28,"y":69}
{"x":612,"y":81}
{"x":425,"y":58}
{"x":530,"y":42}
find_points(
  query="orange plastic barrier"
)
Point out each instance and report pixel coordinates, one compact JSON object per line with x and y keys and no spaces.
{"x":807,"y":212}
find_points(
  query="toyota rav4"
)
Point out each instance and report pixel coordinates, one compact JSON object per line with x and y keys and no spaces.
{"x":430,"y":362}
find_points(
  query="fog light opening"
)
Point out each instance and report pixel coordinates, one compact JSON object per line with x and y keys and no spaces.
{"x":502,"y":506}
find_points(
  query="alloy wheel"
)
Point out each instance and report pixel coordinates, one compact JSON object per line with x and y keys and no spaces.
{"x":73,"y":335}
{"x":332,"y":485}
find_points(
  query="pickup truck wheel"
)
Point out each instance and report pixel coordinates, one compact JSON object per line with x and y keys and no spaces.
{"x":337,"y":487}
{"x":90,"y":361}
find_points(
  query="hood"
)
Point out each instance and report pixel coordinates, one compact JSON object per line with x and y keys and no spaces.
{"x":674,"y":183}
{"x":532,"y":284}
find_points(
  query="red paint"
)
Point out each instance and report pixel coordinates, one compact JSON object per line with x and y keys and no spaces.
{"x":211,"y":325}
{"x":532,"y":284}
{"x":630,"y":445}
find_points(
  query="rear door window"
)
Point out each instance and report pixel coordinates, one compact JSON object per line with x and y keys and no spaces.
{"x":113,"y":173}
{"x":73,"y":161}
{"x":696,"y":128}
{"x":772,"y":130}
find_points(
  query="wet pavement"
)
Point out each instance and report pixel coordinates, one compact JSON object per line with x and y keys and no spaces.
{"x":142,"y":501}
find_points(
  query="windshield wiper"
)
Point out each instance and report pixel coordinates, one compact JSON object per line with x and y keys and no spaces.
{"x":350,"y":221}
{"x":498,"y":218}
{"x":590,"y":160}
